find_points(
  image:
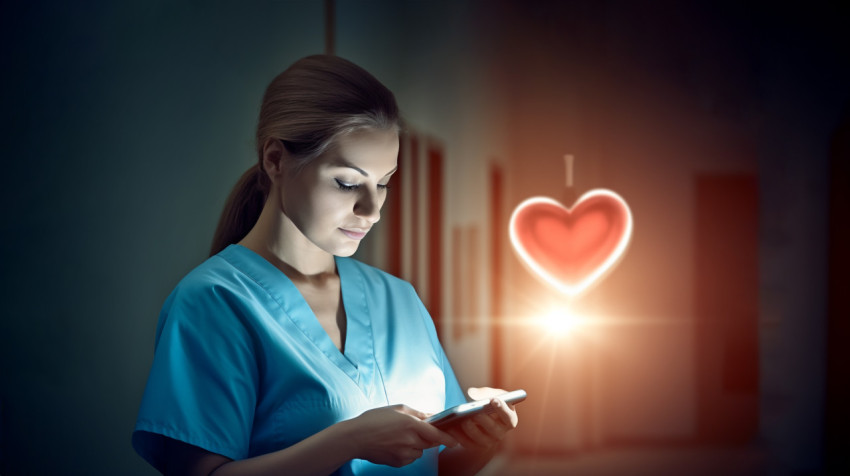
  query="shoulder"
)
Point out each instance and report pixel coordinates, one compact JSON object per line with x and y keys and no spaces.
{"x":235,"y":269}
{"x":212,"y":276}
{"x":215,"y":294}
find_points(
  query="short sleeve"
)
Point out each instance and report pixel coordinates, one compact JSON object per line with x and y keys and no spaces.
{"x":203,"y":382}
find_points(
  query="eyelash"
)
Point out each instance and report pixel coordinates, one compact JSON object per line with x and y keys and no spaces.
{"x":348,"y":188}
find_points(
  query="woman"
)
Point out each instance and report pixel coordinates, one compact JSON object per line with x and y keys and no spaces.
{"x":280,"y":355}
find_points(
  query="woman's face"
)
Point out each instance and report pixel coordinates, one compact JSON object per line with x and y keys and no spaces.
{"x":335,"y":199}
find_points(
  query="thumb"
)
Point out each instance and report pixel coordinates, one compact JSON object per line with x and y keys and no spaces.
{"x":410,"y":411}
{"x":484,"y":393}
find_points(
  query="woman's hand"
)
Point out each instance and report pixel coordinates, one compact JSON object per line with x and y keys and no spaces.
{"x":396,"y":435}
{"x":486,"y":430}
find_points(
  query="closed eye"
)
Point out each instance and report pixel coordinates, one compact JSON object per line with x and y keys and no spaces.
{"x":348,"y":187}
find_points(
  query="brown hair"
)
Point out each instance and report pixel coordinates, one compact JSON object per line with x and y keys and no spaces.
{"x":311,"y":104}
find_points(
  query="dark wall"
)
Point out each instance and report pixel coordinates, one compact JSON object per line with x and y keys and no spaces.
{"x":124,"y":126}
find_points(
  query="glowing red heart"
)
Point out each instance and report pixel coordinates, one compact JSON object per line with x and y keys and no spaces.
{"x":572,"y":248}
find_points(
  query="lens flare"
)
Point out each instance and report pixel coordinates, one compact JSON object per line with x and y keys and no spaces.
{"x":561,"y":322}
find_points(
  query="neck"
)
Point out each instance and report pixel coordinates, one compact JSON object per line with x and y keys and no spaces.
{"x":280,"y":242}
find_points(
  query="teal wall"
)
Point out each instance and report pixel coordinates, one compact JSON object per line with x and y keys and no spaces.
{"x":125,"y":125}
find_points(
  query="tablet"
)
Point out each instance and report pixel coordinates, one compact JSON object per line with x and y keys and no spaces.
{"x":456,"y":414}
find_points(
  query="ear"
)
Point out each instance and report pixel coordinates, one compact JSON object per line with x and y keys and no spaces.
{"x":274,"y":158}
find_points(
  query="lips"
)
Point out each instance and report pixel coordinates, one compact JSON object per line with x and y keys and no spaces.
{"x":354,"y":233}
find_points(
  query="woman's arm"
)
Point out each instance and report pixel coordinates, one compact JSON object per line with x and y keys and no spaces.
{"x":394,"y":436}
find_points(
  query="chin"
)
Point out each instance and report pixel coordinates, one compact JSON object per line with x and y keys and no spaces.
{"x":346,"y":251}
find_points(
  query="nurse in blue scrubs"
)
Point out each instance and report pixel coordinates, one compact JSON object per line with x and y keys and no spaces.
{"x":280,"y":354}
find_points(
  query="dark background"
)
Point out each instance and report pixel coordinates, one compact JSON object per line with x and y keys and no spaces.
{"x":126,"y":123}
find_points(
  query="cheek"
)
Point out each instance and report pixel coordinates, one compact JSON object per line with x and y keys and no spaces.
{"x":330,"y":207}
{"x":299,"y":206}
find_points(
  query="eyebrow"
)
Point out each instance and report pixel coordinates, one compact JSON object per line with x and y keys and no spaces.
{"x":342,"y":162}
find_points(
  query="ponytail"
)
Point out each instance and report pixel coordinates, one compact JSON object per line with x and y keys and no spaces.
{"x":242,"y":209}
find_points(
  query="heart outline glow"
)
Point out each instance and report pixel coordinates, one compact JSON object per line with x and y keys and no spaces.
{"x":572,"y":290}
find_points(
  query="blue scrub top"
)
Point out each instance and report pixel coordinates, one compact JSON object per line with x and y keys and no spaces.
{"x":242,"y":366}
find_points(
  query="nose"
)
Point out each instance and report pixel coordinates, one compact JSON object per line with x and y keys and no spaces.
{"x":368,"y":206}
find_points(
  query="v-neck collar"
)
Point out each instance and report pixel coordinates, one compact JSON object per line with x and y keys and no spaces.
{"x":357,"y":361}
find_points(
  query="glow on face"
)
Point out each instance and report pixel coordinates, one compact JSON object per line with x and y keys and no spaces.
{"x":336,"y":199}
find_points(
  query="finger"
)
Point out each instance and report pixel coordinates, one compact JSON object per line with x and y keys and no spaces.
{"x":417,"y":442}
{"x":476,"y":434}
{"x":483,"y":393}
{"x":504,"y":413}
{"x":459,"y":435}
{"x":415,"y":452}
{"x":491,"y":426}
{"x":410,"y":411}
{"x":407,"y":456}
{"x":434,"y":436}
